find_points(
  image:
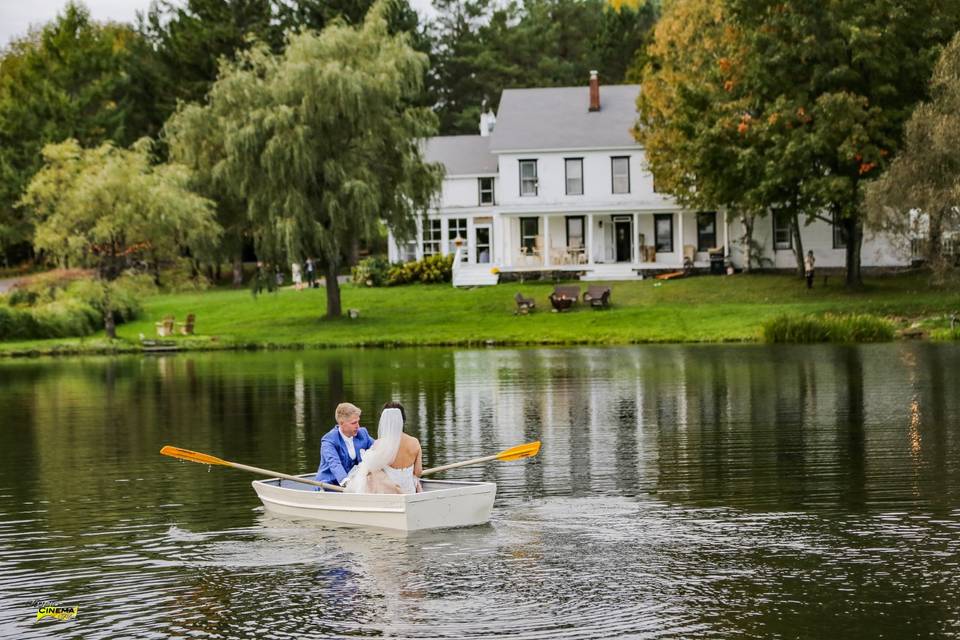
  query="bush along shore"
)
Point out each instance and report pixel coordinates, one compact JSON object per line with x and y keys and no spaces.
{"x":741,"y":308}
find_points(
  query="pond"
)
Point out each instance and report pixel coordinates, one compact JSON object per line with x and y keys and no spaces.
{"x":682,"y":491}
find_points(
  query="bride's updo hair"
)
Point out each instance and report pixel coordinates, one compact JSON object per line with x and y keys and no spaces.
{"x":392,"y":404}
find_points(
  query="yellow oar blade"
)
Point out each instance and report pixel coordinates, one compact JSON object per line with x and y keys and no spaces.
{"x":192,"y":456}
{"x":520,"y":451}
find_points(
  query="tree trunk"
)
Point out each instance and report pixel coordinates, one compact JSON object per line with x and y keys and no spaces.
{"x":108,"y":324}
{"x":797,"y":243}
{"x":218,"y":272}
{"x":934,"y":253}
{"x":747,"y":241}
{"x":854,"y":230}
{"x":333,"y":290}
{"x":237,"y":272}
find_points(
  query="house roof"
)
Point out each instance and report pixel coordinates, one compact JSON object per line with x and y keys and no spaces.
{"x":461,"y":155}
{"x":559,"y":118}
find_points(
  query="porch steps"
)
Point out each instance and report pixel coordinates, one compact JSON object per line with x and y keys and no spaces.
{"x":471,"y":276}
{"x":610,"y":272}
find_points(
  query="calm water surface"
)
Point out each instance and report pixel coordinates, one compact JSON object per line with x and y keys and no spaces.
{"x":710,"y":491}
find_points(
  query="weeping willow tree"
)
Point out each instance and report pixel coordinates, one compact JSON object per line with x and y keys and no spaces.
{"x":111,"y":209}
{"x":321,"y":143}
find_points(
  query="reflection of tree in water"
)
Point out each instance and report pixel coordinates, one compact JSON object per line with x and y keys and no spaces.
{"x":850,"y":423}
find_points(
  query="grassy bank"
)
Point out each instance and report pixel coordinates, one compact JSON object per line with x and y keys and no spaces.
{"x":699,"y":309}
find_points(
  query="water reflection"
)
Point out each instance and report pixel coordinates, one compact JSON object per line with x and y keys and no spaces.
{"x":681,"y":491}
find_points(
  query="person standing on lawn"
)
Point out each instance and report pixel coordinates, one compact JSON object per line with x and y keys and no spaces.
{"x":808,"y":263}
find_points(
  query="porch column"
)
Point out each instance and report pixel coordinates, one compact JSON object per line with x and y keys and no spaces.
{"x":726,"y":235}
{"x":546,"y":240}
{"x":635,"y":243}
{"x":443,"y":236}
{"x":589,"y":238}
{"x":468,"y":242}
{"x":680,"y":229}
{"x":419,"y":250}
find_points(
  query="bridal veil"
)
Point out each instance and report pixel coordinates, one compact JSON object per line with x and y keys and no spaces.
{"x":382,"y":453}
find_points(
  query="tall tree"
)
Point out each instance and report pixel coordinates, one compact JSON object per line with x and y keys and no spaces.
{"x":190,"y":38}
{"x":481,"y":48}
{"x":320,"y":142}
{"x":693,"y":120}
{"x":110,"y":208}
{"x":855,"y":69}
{"x":71,"y":78}
{"x":925,"y":176}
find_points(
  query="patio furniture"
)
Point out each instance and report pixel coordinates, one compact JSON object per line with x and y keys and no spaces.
{"x":187,"y":327}
{"x":165,"y":327}
{"x":564,"y":296}
{"x":597,"y":296}
{"x":524,"y":305}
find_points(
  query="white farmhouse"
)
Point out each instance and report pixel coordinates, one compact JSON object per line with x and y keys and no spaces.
{"x":556,"y":182}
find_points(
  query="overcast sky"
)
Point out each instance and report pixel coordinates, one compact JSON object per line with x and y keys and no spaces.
{"x":16,"y":16}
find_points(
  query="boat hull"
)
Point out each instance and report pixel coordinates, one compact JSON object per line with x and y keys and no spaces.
{"x":443,"y":503}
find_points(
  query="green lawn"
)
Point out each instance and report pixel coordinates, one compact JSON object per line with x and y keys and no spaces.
{"x":698,"y":309}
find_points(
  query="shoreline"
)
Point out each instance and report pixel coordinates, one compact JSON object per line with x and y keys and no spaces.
{"x":696,"y":310}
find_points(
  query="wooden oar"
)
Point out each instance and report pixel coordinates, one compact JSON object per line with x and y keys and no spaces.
{"x":203,"y":458}
{"x":516,"y":453}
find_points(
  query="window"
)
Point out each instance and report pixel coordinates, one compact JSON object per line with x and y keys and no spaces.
{"x":706,"y":230}
{"x":432,"y":235}
{"x":486,"y":190}
{"x":408,"y":250}
{"x":529,"y":233}
{"x":574,"y":168}
{"x":839,"y":233}
{"x":782,"y":231}
{"x":528,"y":177}
{"x":620,"y":171}
{"x":456,"y":228}
{"x":575,"y":228}
{"x":663,"y":230}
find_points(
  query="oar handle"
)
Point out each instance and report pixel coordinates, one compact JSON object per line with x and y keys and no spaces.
{"x":454,"y":465}
{"x":274,"y":474}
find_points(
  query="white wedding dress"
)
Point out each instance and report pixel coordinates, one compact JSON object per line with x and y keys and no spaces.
{"x":380,"y":455}
{"x":403,"y":478}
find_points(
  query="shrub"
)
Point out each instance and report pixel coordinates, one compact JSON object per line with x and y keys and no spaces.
{"x":52,"y":307}
{"x":435,"y":268}
{"x":371,"y":272}
{"x":828,"y":328}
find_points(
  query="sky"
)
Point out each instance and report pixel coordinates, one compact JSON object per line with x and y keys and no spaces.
{"x":16,"y":16}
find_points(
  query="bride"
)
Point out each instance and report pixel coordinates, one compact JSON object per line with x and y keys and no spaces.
{"x":393,"y":464}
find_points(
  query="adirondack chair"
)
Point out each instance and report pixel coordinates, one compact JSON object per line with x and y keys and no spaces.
{"x":165,"y":327}
{"x":524,"y":305}
{"x":187,"y":327}
{"x":597,"y":296}
{"x":564,"y":296}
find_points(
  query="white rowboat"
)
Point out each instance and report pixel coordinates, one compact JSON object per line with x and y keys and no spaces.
{"x":443,"y":503}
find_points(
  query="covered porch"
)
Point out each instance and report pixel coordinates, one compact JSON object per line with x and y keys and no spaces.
{"x":612,"y":242}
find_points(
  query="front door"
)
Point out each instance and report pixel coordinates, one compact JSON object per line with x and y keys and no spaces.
{"x":622,"y":240}
{"x":482,"y":244}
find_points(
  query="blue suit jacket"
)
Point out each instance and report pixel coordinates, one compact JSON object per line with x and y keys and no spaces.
{"x":335,"y":462}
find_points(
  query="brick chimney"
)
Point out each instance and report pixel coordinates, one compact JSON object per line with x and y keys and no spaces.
{"x":594,"y":92}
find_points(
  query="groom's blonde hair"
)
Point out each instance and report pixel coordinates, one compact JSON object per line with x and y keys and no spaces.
{"x":346,"y":410}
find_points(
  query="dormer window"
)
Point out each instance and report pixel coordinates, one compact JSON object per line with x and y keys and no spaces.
{"x":574,"y":171}
{"x":485,"y":186}
{"x":528,"y":177}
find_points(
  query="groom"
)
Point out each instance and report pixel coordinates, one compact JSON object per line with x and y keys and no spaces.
{"x":340,"y":447}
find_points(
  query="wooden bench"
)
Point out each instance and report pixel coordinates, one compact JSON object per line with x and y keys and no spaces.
{"x":564,"y":296}
{"x":597,"y":296}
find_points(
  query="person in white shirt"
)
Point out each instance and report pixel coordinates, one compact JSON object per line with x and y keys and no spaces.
{"x":342,"y":448}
